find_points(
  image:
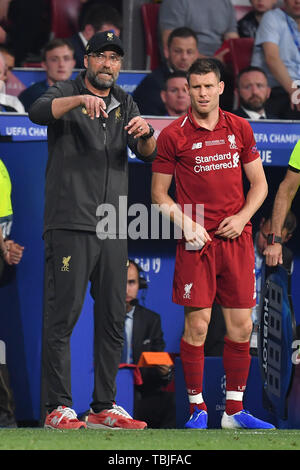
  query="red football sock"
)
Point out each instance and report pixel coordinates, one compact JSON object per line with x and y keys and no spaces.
{"x":236,"y":360}
{"x":192,"y":358}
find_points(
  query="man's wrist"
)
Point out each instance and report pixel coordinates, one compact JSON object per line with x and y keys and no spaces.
{"x":4,"y":251}
{"x":272,"y":239}
{"x":150,"y":133}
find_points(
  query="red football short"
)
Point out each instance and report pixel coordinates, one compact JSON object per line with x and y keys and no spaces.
{"x":224,"y":270}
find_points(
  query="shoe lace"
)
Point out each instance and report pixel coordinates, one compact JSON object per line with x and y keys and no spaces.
{"x":66,"y":413}
{"x":120,"y":411}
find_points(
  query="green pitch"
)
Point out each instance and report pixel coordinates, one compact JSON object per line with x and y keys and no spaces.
{"x":150,"y":439}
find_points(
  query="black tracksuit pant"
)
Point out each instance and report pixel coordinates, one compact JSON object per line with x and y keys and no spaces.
{"x":72,"y":258}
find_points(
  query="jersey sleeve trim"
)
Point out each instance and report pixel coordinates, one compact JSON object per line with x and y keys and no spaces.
{"x":292,"y":168}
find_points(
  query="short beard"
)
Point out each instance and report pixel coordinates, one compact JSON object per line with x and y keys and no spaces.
{"x":97,"y":82}
{"x":252,"y":107}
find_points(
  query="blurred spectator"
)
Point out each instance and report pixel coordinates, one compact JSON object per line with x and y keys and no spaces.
{"x":87,"y":4}
{"x":9,"y":56}
{"x":7,"y":404}
{"x":10,"y":254}
{"x":283,"y":200}
{"x":11,"y":251}
{"x":213,"y":21}
{"x":58,"y":62}
{"x":175,"y":94}
{"x":98,"y":18}
{"x":143,"y":333}
{"x":4,"y":6}
{"x":248,"y":25}
{"x":253,"y":92}
{"x":260,"y":244}
{"x":8,"y":103}
{"x":14,"y":86}
{"x":277,"y":51}
{"x":28,"y":28}
{"x":180,"y":53}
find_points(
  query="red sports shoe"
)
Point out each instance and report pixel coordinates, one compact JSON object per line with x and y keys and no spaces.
{"x":114,"y":418}
{"x":63,"y":418}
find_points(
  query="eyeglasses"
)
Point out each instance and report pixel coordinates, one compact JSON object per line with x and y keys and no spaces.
{"x":114,"y":59}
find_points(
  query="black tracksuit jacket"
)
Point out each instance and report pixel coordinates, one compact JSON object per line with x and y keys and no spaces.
{"x":88,"y":162}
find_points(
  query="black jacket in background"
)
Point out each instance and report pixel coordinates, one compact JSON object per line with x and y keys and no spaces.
{"x":240,"y":112}
{"x":247,"y":26}
{"x":79,"y":50}
{"x":152,"y":403}
{"x":147,"y":336}
{"x":147,"y":93}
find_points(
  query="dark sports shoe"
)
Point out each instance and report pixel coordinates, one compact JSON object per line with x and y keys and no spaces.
{"x":114,"y":418}
{"x":7,"y":420}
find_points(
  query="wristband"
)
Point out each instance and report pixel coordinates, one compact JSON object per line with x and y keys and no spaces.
{"x":272,"y":239}
{"x":150,"y":134}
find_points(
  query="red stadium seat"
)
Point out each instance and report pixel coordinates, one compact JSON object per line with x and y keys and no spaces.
{"x":35,"y":65}
{"x":240,"y":53}
{"x":149,"y":13}
{"x":64,"y":17}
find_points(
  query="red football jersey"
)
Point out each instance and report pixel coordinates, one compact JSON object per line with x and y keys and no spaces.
{"x":207,"y":165}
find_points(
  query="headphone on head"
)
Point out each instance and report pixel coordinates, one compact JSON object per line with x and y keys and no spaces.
{"x":142,"y":280}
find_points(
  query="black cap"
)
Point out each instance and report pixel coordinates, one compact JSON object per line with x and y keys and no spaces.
{"x":105,"y":40}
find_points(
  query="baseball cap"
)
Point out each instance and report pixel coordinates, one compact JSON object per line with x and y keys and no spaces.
{"x":104,"y":40}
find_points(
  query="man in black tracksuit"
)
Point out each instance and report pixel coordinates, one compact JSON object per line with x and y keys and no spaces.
{"x":90,"y":123}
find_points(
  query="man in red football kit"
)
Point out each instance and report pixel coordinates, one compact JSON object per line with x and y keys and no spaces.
{"x":205,"y":151}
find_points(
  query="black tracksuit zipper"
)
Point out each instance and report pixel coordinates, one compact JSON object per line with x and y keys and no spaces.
{"x":110,"y":108}
{"x":107,"y":161}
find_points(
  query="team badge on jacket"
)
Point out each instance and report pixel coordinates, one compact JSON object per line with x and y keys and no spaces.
{"x":66,"y":264}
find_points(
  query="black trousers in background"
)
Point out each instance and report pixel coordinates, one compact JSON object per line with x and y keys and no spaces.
{"x":72,"y":258}
{"x":279,"y":104}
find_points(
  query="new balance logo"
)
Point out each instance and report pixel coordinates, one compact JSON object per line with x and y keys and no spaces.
{"x":110,"y":421}
{"x":197,"y":145}
{"x":55,"y":420}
